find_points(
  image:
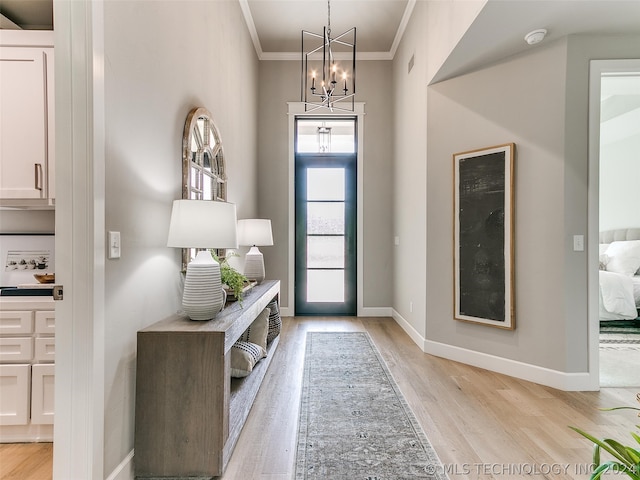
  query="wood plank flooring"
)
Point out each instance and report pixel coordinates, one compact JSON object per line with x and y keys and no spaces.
{"x":483,"y":425}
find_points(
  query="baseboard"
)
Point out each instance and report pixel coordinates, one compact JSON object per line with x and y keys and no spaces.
{"x":513,"y":368}
{"x":408,"y":328}
{"x":363,"y":312}
{"x":375,"y":312}
{"x":124,"y":471}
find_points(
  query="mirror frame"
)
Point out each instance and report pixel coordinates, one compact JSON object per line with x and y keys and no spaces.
{"x":201,"y":140}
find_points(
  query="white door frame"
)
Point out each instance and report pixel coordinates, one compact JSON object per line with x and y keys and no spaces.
{"x":80,"y":240}
{"x":596,"y":69}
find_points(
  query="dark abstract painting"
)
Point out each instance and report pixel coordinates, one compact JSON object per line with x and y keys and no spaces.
{"x":483,"y":236}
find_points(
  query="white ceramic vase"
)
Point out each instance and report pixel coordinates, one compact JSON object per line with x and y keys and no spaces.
{"x":203,"y":296}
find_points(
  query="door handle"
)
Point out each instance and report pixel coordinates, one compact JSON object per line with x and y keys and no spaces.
{"x":38,"y":172}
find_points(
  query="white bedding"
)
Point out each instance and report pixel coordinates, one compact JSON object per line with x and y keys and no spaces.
{"x":636,"y":289}
{"x":619,"y":296}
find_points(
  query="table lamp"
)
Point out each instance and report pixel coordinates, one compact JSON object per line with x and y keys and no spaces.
{"x":254,"y":232}
{"x":202,"y":224}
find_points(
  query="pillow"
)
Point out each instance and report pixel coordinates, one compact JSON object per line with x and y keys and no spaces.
{"x":275,"y":322}
{"x":244,"y":356}
{"x":257,"y":331}
{"x":602,"y":248}
{"x":624,"y":257}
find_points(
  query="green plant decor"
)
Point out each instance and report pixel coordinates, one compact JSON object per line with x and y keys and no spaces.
{"x":231,"y":277}
{"x":626,"y":458}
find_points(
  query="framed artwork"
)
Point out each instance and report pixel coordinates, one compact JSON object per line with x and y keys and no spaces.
{"x":24,"y":255}
{"x":483,"y":236}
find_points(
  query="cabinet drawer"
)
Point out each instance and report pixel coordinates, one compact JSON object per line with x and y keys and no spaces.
{"x":46,"y":321}
{"x":45,"y":349}
{"x":16,"y":322}
{"x":14,"y":394}
{"x":42,"y":382}
{"x":16,"y":349}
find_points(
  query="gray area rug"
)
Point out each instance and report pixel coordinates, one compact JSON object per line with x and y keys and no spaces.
{"x":354,"y":422}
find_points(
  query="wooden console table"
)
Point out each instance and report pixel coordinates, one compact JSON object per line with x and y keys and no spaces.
{"x":189,"y":411}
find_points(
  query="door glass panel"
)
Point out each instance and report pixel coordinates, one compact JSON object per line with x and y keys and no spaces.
{"x":325,"y":184}
{"x":325,"y":218}
{"x":325,"y":286}
{"x":325,"y":252}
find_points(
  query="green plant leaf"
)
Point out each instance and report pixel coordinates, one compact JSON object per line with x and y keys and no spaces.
{"x":616,"y":467}
{"x":602,"y":444}
{"x":621,"y":449}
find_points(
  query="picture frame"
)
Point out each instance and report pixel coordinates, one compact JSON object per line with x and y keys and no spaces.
{"x":484,"y":274}
{"x":23,"y":255}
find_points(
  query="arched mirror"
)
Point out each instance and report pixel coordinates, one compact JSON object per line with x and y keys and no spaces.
{"x":204,"y":175}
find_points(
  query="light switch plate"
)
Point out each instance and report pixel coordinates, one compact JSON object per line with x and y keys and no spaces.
{"x":114,"y":245}
{"x":578,"y":243}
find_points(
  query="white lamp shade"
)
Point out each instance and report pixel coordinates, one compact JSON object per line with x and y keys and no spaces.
{"x":203,"y":224}
{"x":255,"y":231}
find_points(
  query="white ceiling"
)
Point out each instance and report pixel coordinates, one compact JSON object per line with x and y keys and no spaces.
{"x":497,"y":32}
{"x":277,"y":24}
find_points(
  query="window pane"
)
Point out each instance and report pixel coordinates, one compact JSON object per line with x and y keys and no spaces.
{"x":325,"y":285}
{"x":325,"y":217}
{"x":317,"y":135}
{"x":325,"y":252}
{"x":325,"y":184}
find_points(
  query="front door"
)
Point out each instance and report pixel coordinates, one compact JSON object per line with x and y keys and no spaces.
{"x":325,"y":187}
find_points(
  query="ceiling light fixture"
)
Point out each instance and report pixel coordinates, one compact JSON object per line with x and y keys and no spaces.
{"x":325,"y":82}
{"x":535,"y":36}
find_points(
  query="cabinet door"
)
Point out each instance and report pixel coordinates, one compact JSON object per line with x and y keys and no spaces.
{"x":42,"y":380}
{"x":16,"y":322}
{"x":14,"y":394}
{"x":45,"y":350}
{"x":46,"y":322}
{"x":24,"y":121}
{"x":16,"y":349}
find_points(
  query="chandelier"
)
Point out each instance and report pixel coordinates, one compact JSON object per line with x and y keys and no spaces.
{"x":326,"y":82}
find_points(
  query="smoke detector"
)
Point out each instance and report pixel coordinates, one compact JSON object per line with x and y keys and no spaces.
{"x":535,"y":36}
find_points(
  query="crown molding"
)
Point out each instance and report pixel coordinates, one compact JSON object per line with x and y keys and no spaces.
{"x":248,"y":18}
{"x":294,"y":56}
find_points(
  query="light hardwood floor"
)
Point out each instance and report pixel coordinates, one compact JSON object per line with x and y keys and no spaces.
{"x":483,"y":425}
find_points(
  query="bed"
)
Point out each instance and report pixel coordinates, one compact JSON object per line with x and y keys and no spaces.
{"x":619,"y":274}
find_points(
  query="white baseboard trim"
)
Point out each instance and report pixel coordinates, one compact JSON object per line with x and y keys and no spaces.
{"x":544,"y":376}
{"x":124,"y":471}
{"x":363,"y":312}
{"x":375,"y":312}
{"x":408,"y":328}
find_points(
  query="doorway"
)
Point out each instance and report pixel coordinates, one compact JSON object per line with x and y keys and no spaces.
{"x":325,"y":217}
{"x":614,"y":138}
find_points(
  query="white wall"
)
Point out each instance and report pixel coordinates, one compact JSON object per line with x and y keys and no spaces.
{"x":539,"y":101}
{"x":433,"y":30}
{"x":620,"y":170}
{"x":279,"y":84}
{"x":27,"y":221}
{"x":162,"y":59}
{"x":479,"y":110}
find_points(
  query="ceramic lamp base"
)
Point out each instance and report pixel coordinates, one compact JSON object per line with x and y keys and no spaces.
{"x":254,"y":265}
{"x":203,"y":296}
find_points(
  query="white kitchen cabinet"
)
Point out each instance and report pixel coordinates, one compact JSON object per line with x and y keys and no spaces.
{"x":27,"y":100}
{"x":14,"y":394}
{"x":42,"y":380}
{"x":27,"y":369}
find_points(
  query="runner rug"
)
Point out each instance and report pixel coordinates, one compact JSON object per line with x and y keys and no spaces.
{"x":354,"y":422}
